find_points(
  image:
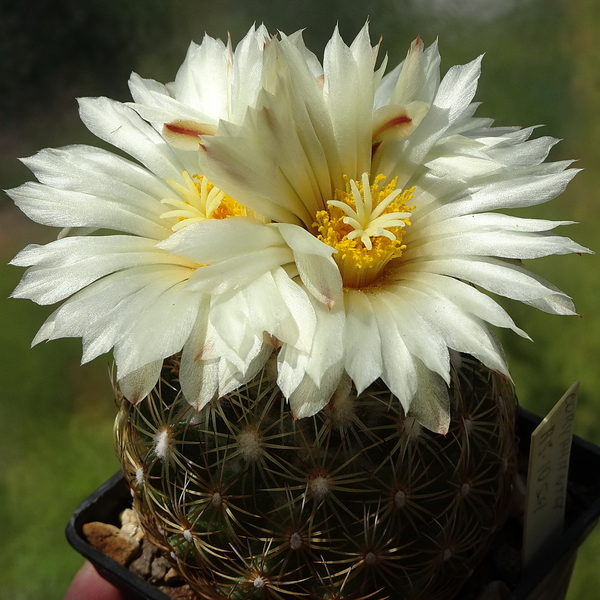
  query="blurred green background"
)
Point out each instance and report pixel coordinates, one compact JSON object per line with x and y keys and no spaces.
{"x":541,"y":66}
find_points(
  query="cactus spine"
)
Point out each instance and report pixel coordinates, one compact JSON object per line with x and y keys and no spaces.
{"x":356,"y":502}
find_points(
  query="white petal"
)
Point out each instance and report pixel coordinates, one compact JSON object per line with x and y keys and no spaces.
{"x":519,"y":192}
{"x":431,"y":404}
{"x":362,"y":342}
{"x":230,"y":380}
{"x":309,"y":398}
{"x":399,"y":372}
{"x":484,"y":222}
{"x":246,"y":75}
{"x":65,"y":266}
{"x":458,"y":87}
{"x":159,"y":332}
{"x":309,"y":59}
{"x":317,"y":269}
{"x":465,"y":297}
{"x":503,"y":278}
{"x":281,"y":307}
{"x":313,"y":125}
{"x":198,"y":375}
{"x":201,"y":81}
{"x":96,"y":171}
{"x":385,"y":89}
{"x":106,"y":310}
{"x":419,"y":77}
{"x":326,"y":350}
{"x":350,"y":69}
{"x":253,"y":178}
{"x":111,"y":312}
{"x":216,"y":240}
{"x":236,"y":273}
{"x":154,"y":103}
{"x":410,"y":77}
{"x":291,"y":176}
{"x":143,"y":89}
{"x":453,"y":97}
{"x":291,"y":368}
{"x":231,"y":334}
{"x":523,"y":154}
{"x":502,"y":244}
{"x":299,"y":306}
{"x":172,"y":111}
{"x":204,"y":377}
{"x":422,"y":340}
{"x":235,"y":336}
{"x":463,"y":166}
{"x":121,"y":126}
{"x":459,"y":330}
{"x":139,"y":383}
{"x":64,"y":208}
{"x":199,"y":381}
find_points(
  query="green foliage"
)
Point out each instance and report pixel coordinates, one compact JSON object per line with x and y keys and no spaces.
{"x":55,"y":447}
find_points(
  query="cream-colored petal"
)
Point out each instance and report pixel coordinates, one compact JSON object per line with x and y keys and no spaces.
{"x":185,"y":134}
{"x":348,"y":69}
{"x":459,"y":330}
{"x":309,"y":398}
{"x":465,"y":297}
{"x":502,"y":244}
{"x":230,"y":379}
{"x":503,"y":278}
{"x":235,"y":273}
{"x":318,"y":271}
{"x":280,"y":307}
{"x":422,"y":340}
{"x":327,"y":350}
{"x":362,"y":342}
{"x":66,"y":266}
{"x":138,"y":384}
{"x":202,"y":80}
{"x":215,"y":240}
{"x":397,"y":121}
{"x":431,"y":403}
{"x":159,"y":331}
{"x":399,"y":372}
{"x":121,"y":126}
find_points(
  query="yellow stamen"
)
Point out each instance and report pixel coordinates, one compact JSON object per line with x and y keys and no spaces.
{"x":199,"y":200}
{"x":365,"y":224}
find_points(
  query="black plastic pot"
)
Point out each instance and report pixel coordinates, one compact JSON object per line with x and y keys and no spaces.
{"x":547,"y":579}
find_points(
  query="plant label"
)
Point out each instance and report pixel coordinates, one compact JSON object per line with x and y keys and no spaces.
{"x":547,"y":477}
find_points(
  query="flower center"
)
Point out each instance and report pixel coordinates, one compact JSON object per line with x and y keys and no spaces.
{"x":365,"y":224}
{"x":201,"y":200}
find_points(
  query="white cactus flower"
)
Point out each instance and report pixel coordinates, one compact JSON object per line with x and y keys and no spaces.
{"x":343,"y":217}
{"x":159,"y":275}
{"x":396,"y":180}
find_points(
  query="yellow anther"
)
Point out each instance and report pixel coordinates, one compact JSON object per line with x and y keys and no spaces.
{"x":365,"y":224}
{"x":199,"y":200}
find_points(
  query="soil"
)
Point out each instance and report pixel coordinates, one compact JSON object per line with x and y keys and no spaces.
{"x":130,"y":548}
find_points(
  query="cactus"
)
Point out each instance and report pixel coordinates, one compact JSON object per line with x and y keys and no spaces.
{"x":358,"y":501}
{"x":345,"y":222}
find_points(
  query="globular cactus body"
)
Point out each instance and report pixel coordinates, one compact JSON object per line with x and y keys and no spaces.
{"x":356,"y":502}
